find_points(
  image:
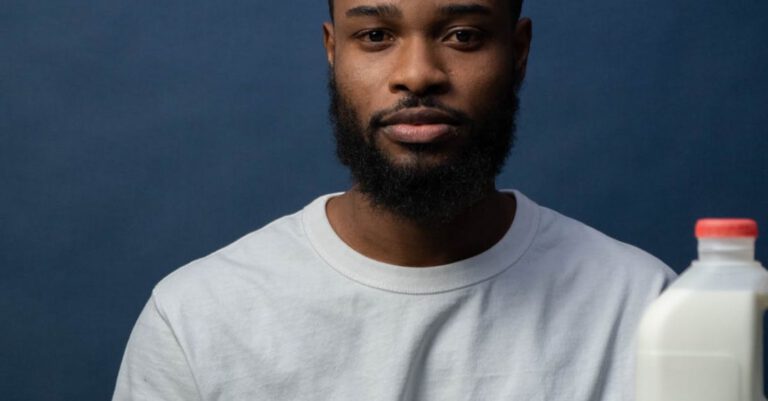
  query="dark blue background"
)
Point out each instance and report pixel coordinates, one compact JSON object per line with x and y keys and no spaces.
{"x":138,"y":135}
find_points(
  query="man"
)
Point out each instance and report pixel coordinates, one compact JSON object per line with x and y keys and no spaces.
{"x":423,"y":281}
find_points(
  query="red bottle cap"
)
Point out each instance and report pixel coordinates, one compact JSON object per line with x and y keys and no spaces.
{"x":720,"y":228}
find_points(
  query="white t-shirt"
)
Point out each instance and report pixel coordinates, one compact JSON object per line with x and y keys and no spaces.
{"x":290,"y":312}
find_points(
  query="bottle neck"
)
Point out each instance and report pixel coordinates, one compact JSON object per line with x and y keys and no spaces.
{"x":727,"y":249}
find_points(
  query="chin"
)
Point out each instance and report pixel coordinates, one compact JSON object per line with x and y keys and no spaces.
{"x":417,"y":155}
{"x":419,"y":161}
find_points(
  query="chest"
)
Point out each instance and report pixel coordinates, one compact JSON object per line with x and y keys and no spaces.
{"x":391,"y":348}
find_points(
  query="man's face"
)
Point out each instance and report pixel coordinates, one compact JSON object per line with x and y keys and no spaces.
{"x":423,"y":99}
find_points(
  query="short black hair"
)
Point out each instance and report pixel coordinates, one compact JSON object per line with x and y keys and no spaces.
{"x":516,"y":7}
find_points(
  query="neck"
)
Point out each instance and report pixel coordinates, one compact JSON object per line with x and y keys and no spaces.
{"x":381,"y":235}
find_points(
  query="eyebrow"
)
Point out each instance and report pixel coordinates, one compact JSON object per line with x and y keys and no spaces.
{"x":380,"y":10}
{"x":392,"y":11}
{"x":454,"y":10}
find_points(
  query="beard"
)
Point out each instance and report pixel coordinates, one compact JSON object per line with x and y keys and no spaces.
{"x":426,"y":193}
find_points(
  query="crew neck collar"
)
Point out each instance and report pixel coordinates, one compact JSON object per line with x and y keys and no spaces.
{"x":421,"y":280}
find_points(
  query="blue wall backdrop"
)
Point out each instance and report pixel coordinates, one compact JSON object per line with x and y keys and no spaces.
{"x":138,"y":135}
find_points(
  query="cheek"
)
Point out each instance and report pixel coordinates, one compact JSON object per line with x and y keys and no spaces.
{"x":492,"y":78}
{"x":361,"y":84}
{"x":481,"y":82}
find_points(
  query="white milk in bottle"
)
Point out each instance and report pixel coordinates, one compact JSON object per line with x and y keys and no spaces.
{"x":701,"y":340}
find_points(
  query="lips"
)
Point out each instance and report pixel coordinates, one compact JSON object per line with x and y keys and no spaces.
{"x":421,"y":125}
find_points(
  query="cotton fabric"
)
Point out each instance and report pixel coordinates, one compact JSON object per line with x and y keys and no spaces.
{"x":290,"y":312}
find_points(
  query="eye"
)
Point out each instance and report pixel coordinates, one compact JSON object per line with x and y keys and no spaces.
{"x":375,"y":39}
{"x":465,"y":38}
{"x":375,"y":36}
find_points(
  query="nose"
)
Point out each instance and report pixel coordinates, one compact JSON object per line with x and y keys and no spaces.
{"x":418,"y":70}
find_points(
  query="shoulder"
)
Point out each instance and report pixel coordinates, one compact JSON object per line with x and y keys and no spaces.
{"x":585,"y":255}
{"x":238,"y":270}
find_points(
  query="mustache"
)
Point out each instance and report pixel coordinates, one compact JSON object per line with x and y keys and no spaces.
{"x":410,"y":102}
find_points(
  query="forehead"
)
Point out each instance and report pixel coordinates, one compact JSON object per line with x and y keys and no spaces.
{"x":407,"y":8}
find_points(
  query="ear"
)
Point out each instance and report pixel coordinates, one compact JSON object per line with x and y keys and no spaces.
{"x":329,"y":42}
{"x":521,"y":42}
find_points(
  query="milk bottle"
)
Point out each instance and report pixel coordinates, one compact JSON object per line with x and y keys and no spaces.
{"x":701,"y":340}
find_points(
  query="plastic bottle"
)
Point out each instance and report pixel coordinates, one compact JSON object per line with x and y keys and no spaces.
{"x":701,"y":340}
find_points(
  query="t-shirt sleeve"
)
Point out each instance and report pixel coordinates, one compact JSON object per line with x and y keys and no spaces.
{"x":154,"y":365}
